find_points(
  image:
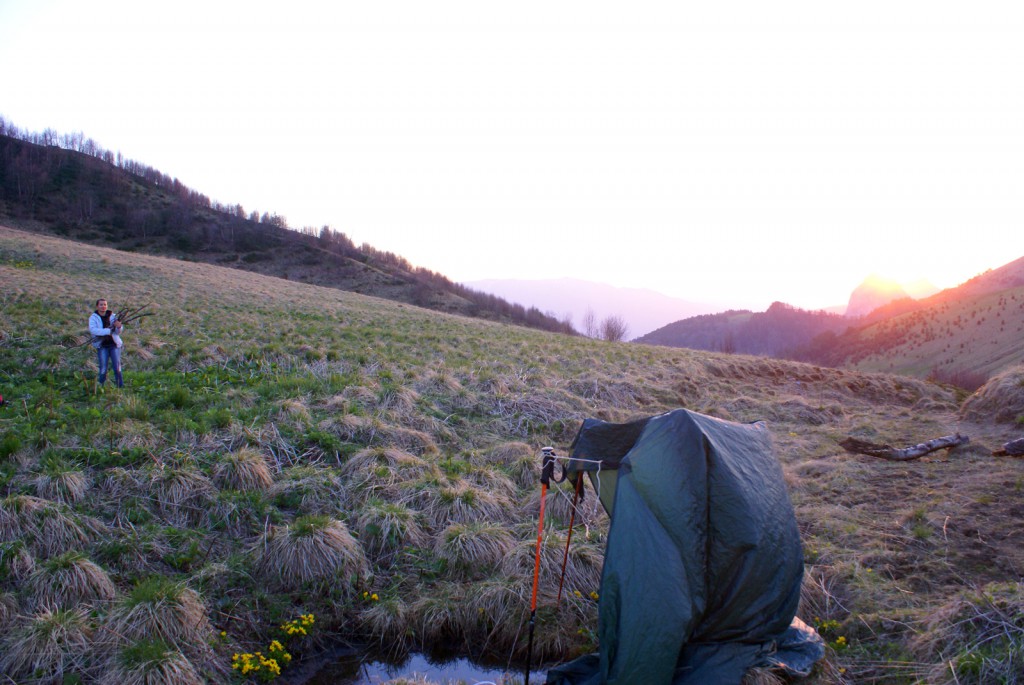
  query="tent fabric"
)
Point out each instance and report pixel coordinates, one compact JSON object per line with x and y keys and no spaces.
{"x":703,"y":564}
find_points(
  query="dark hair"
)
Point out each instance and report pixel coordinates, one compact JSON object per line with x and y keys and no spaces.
{"x":102,"y":299}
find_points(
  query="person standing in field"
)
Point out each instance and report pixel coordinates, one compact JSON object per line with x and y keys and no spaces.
{"x":106,"y":338}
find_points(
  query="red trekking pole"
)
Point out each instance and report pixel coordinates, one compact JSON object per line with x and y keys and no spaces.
{"x":546,"y":471}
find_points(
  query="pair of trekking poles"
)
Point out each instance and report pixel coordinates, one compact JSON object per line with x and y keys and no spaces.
{"x":547,"y":473}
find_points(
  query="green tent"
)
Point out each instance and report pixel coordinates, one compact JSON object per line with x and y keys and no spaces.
{"x":703,"y":565}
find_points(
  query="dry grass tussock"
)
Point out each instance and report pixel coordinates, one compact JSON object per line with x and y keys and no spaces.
{"x":17,"y":560}
{"x":49,"y":527}
{"x":158,"y":608}
{"x":388,"y":621}
{"x":378,"y":472}
{"x":119,"y":483}
{"x":150,"y":662}
{"x":436,"y":617}
{"x":294,"y":409}
{"x":183,"y":495}
{"x":68,"y":580}
{"x":509,"y":453}
{"x":309,"y":489}
{"x":525,"y":471}
{"x":129,"y":433}
{"x":398,"y":401}
{"x":977,"y":637}
{"x":244,"y":469}
{"x":473,"y":548}
{"x":523,"y":414}
{"x":1001,"y":399}
{"x":268,"y":440}
{"x":440,"y":382}
{"x":823,"y":595}
{"x":8,"y":611}
{"x":386,"y":527}
{"x":62,"y":482}
{"x":498,"y":610}
{"x":494,"y":481}
{"x":310,"y":549}
{"x":582,"y":570}
{"x":371,"y":463}
{"x":53,"y":642}
{"x":372,"y":431}
{"x":460,"y":501}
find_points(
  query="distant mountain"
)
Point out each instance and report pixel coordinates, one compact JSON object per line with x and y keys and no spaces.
{"x":873,"y":293}
{"x":963,"y":335}
{"x":88,"y":195}
{"x":775,"y":332}
{"x":643,"y":310}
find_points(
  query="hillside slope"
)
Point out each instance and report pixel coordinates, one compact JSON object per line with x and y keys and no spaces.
{"x":283,"y":449}
{"x":101,"y":200}
{"x":971,"y":333}
{"x":774,"y":332}
{"x":964,"y":335}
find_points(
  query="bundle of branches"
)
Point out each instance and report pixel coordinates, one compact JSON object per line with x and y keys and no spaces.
{"x":125,"y":316}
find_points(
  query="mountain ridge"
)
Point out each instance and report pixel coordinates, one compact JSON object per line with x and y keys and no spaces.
{"x":964,"y":334}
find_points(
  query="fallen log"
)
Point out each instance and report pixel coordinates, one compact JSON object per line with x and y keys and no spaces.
{"x":1014,"y":448}
{"x":905,"y":454}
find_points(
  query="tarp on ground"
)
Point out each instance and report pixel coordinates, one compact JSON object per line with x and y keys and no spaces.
{"x":703,"y":564}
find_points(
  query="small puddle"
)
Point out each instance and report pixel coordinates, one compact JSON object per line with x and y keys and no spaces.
{"x":347,"y":668}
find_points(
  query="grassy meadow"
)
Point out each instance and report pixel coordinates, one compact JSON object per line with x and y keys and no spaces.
{"x":290,"y":465}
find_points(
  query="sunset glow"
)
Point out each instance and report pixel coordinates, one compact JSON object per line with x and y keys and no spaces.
{"x":733,"y":153}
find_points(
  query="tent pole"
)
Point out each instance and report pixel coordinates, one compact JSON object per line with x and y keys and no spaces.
{"x":547,"y":469}
{"x":568,"y":537}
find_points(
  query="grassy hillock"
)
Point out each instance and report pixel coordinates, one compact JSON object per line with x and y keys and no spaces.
{"x":299,"y":463}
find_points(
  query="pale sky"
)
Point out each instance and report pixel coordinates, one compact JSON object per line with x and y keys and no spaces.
{"x":727,"y":152}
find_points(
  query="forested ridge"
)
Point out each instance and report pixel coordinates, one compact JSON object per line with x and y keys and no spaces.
{"x":66,"y":184}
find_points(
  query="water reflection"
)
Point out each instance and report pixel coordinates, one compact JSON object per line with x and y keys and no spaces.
{"x":355,"y":669}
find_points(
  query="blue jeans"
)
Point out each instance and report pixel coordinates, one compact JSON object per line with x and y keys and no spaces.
{"x":111,"y":356}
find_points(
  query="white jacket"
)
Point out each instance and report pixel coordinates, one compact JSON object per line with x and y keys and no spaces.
{"x":98,"y":332}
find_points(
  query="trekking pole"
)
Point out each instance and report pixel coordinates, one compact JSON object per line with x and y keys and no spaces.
{"x":546,"y":471}
{"x":568,"y":537}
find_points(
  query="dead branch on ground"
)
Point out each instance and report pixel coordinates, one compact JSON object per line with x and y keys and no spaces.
{"x":905,"y":454}
{"x":1014,"y":448}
